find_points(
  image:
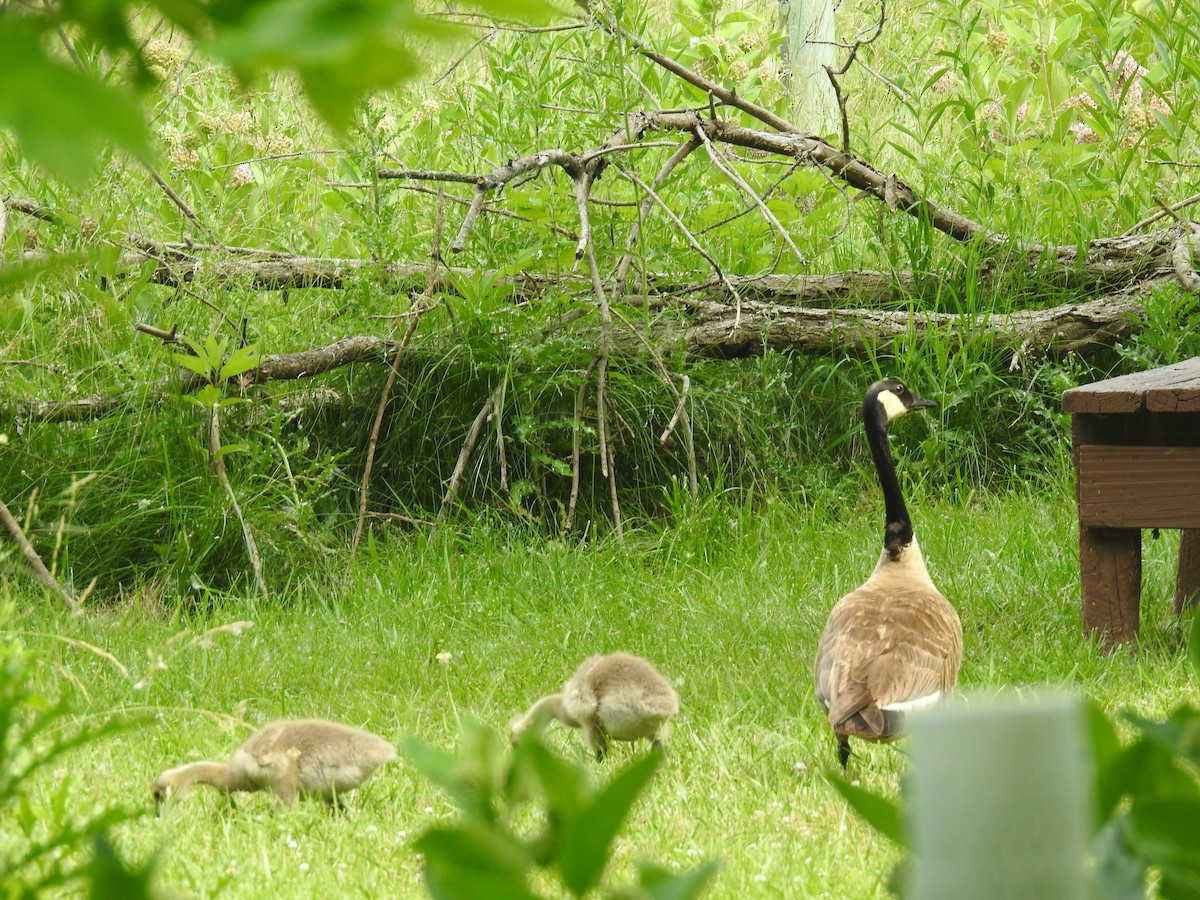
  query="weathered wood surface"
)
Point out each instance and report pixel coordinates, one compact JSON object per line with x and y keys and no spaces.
{"x":1110,"y":571}
{"x":1187,"y":572}
{"x":1170,"y":389}
{"x":1139,"y":487}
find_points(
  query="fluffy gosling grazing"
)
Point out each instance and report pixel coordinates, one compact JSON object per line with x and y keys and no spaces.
{"x":619,"y":697}
{"x":296,"y":757}
{"x":894,"y":644}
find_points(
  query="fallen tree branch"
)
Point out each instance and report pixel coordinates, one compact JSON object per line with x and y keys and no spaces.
{"x":711,"y":329}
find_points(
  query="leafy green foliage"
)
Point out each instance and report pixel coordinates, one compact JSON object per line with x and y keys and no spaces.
{"x":50,"y":839}
{"x":484,"y":855}
{"x":63,"y":117}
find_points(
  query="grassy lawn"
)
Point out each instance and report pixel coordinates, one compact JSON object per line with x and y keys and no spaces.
{"x":728,"y":603}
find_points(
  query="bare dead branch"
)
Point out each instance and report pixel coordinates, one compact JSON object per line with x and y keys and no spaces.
{"x":576,"y":439}
{"x":741,"y":184}
{"x":418,"y":309}
{"x":430,"y":175}
{"x":712,"y":88}
{"x":1182,"y":257}
{"x":498,"y":418}
{"x":833,"y":74}
{"x":635,"y":229}
{"x":218,"y":463}
{"x":35,"y":561}
{"x":691,"y":239}
{"x":464,"y":455}
{"x":1162,"y":213}
{"x":31,"y":209}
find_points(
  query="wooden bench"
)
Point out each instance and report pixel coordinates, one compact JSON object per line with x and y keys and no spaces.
{"x":1135,"y":441}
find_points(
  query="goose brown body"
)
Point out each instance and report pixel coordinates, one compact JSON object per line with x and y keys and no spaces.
{"x":292,"y":758}
{"x":895,"y":643}
{"x":617,"y":696}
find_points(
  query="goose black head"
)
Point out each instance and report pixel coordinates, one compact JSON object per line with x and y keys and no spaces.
{"x":894,"y":398}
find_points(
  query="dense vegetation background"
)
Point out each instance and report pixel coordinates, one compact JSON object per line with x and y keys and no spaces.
{"x":168,"y":506}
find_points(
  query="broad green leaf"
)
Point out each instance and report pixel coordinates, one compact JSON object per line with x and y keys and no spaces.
{"x":442,"y":768}
{"x":561,"y":783}
{"x":587,"y":839}
{"x":663,"y":884}
{"x":339,"y":50}
{"x":1165,"y":831}
{"x":1179,"y":734}
{"x":476,"y":847}
{"x":194,"y":363}
{"x":1106,"y":750}
{"x":61,"y":116}
{"x":208,"y":396}
{"x":226,"y":449}
{"x":1119,"y":874}
{"x":879,"y":812}
{"x":452,"y":882}
{"x":241,"y":360}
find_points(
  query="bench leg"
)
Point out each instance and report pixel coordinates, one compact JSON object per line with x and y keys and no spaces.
{"x":1187,"y":574}
{"x":1110,"y":569}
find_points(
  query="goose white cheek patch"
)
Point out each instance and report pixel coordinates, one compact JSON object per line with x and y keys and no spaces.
{"x":892,"y":405}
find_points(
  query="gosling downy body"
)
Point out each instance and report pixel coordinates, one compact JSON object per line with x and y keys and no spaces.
{"x":617,"y":697}
{"x":292,"y":758}
{"x":895,"y":643}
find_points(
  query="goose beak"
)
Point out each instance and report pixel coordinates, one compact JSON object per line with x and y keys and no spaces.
{"x":922,"y":403}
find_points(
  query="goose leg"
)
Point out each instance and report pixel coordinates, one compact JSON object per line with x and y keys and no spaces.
{"x":843,"y":750}
{"x":596,"y":740}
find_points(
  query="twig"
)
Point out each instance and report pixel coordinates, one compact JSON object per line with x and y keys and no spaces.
{"x":167,"y":337}
{"x":463,"y":57}
{"x":187,"y":211}
{"x":3,"y":220}
{"x":635,"y":230}
{"x":621,"y":148}
{"x":418,"y":310}
{"x":464,"y":456}
{"x":691,"y":239}
{"x":1163,"y":212}
{"x":407,"y":519}
{"x":737,"y":179}
{"x":681,"y":415}
{"x":833,"y":74}
{"x":33,"y":559}
{"x":498,"y":417}
{"x":601,"y":416}
{"x":729,"y":97}
{"x":576,"y":433}
{"x":218,"y":461}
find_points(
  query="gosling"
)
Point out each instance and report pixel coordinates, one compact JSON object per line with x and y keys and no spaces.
{"x":296,"y":757}
{"x":619,"y":696}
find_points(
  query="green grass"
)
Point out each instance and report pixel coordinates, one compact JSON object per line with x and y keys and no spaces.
{"x":728,"y":602}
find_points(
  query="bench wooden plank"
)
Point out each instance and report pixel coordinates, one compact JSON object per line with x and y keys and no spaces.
{"x":1138,"y":487}
{"x":1172,"y":389}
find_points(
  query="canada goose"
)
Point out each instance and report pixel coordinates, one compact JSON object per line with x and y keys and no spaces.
{"x":894,"y":644}
{"x":617,"y":696}
{"x":305,"y":757}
